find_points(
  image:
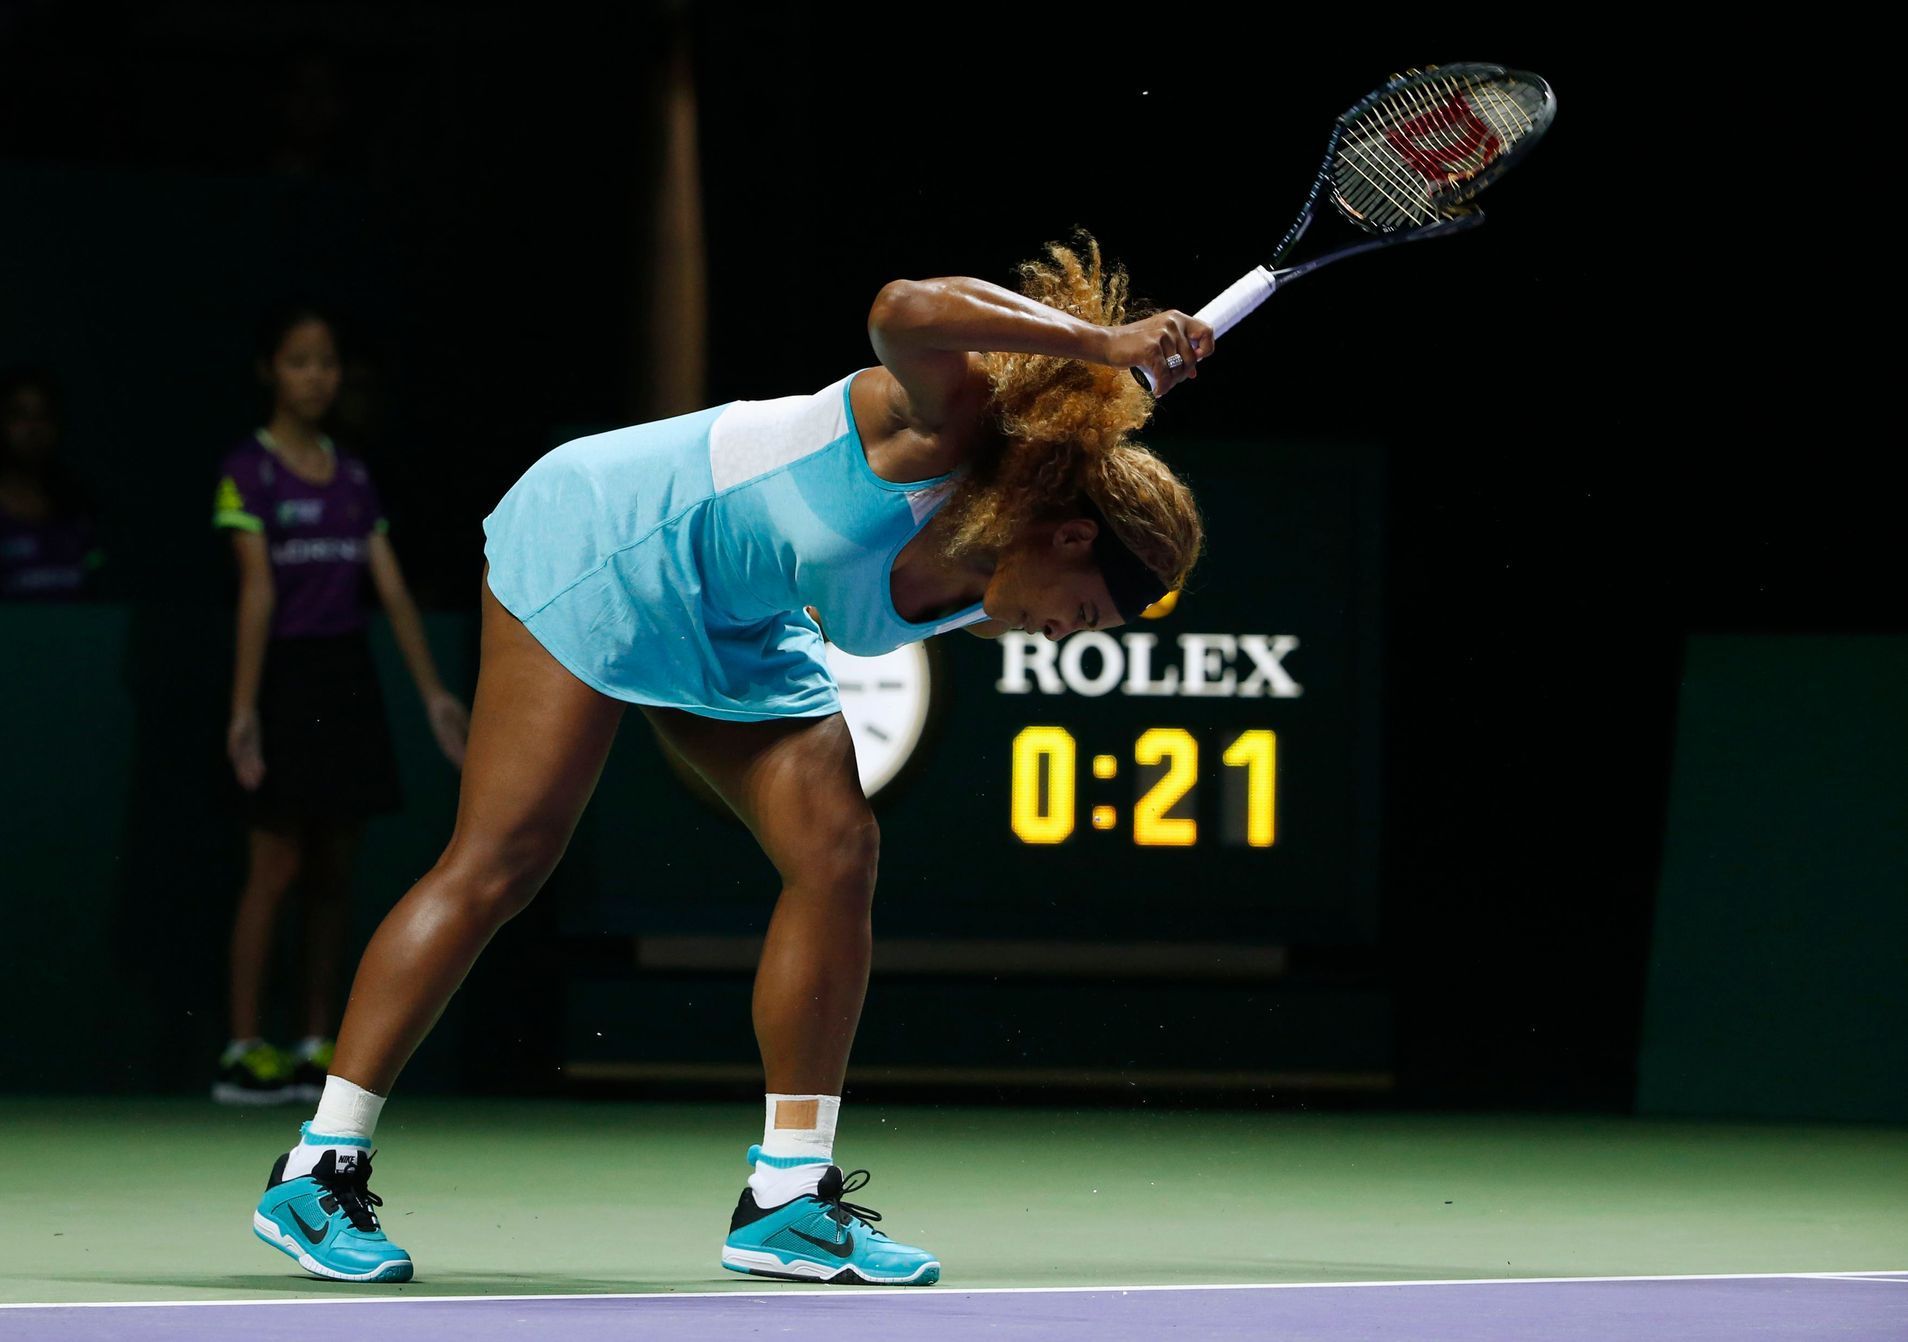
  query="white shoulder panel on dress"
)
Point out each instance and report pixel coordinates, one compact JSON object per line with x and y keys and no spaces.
{"x":974,"y":616}
{"x":924,"y":502}
{"x":752,"y":438}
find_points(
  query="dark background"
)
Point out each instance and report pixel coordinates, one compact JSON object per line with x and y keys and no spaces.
{"x":1610,"y":419}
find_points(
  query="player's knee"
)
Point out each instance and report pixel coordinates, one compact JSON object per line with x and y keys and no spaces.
{"x":841,"y":860}
{"x":494,"y":881}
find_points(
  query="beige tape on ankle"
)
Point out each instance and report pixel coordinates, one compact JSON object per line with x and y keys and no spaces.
{"x":797,"y":1113}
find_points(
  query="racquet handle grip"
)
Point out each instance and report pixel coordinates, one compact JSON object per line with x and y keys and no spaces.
{"x":1242,"y":297}
{"x":1229,"y":308}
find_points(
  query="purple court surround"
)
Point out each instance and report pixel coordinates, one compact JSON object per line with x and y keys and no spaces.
{"x":1848,"y":1307}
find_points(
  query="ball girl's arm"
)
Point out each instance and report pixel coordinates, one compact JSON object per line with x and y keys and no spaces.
{"x":450,"y":721}
{"x":257,"y":595}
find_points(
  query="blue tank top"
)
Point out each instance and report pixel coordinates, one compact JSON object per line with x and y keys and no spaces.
{"x":669,"y":563}
{"x":805,"y":521}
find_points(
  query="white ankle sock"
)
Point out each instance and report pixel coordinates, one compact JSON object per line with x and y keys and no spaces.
{"x":347,"y":1116}
{"x":345,"y":1110}
{"x":798,"y":1146}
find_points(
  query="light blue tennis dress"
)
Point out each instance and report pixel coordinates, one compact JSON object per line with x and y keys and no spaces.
{"x":669,"y":563}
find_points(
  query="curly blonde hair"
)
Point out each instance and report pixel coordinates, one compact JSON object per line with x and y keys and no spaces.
{"x":1061,"y":428}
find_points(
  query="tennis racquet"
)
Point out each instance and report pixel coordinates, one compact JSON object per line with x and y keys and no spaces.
{"x":1404,"y":164}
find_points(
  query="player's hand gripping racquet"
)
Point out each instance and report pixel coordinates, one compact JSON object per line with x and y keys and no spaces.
{"x":1403,"y":164}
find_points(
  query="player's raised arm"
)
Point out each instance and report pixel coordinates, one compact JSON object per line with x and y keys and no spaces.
{"x":925,"y":332}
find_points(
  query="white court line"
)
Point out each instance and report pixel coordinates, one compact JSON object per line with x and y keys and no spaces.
{"x":930,"y":1292}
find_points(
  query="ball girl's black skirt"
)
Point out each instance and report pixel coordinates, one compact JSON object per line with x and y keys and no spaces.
{"x":326,"y":742}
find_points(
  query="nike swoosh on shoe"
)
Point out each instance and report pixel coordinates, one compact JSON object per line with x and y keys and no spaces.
{"x":842,"y":1250}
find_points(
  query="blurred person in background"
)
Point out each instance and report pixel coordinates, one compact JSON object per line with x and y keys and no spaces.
{"x":308,"y":739}
{"x":49,"y":548}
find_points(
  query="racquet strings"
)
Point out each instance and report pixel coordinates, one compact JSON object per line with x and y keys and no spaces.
{"x":1414,"y":152}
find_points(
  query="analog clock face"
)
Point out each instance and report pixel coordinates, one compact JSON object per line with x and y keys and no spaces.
{"x":885,"y":703}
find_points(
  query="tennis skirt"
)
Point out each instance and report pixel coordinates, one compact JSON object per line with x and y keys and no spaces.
{"x":603,"y":550}
{"x":326,"y":741}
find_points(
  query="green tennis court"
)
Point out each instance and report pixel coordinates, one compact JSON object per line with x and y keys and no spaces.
{"x":150,"y":1200}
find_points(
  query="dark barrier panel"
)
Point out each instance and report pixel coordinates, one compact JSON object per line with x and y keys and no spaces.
{"x":1779,"y":975}
{"x":122,"y":848}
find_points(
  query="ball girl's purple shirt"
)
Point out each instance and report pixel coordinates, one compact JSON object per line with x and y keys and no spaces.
{"x":318,"y":536}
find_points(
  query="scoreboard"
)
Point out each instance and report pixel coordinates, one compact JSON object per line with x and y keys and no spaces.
{"x":1045,"y":770}
{"x":1205,"y":774}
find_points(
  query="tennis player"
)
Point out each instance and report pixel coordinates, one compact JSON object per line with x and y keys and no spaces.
{"x":982,"y":477}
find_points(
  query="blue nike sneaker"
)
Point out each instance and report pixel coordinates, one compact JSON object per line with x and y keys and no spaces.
{"x":325,"y":1220}
{"x":823,"y":1237}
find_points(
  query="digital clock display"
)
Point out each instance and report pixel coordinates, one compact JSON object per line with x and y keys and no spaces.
{"x":1164,"y":765}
